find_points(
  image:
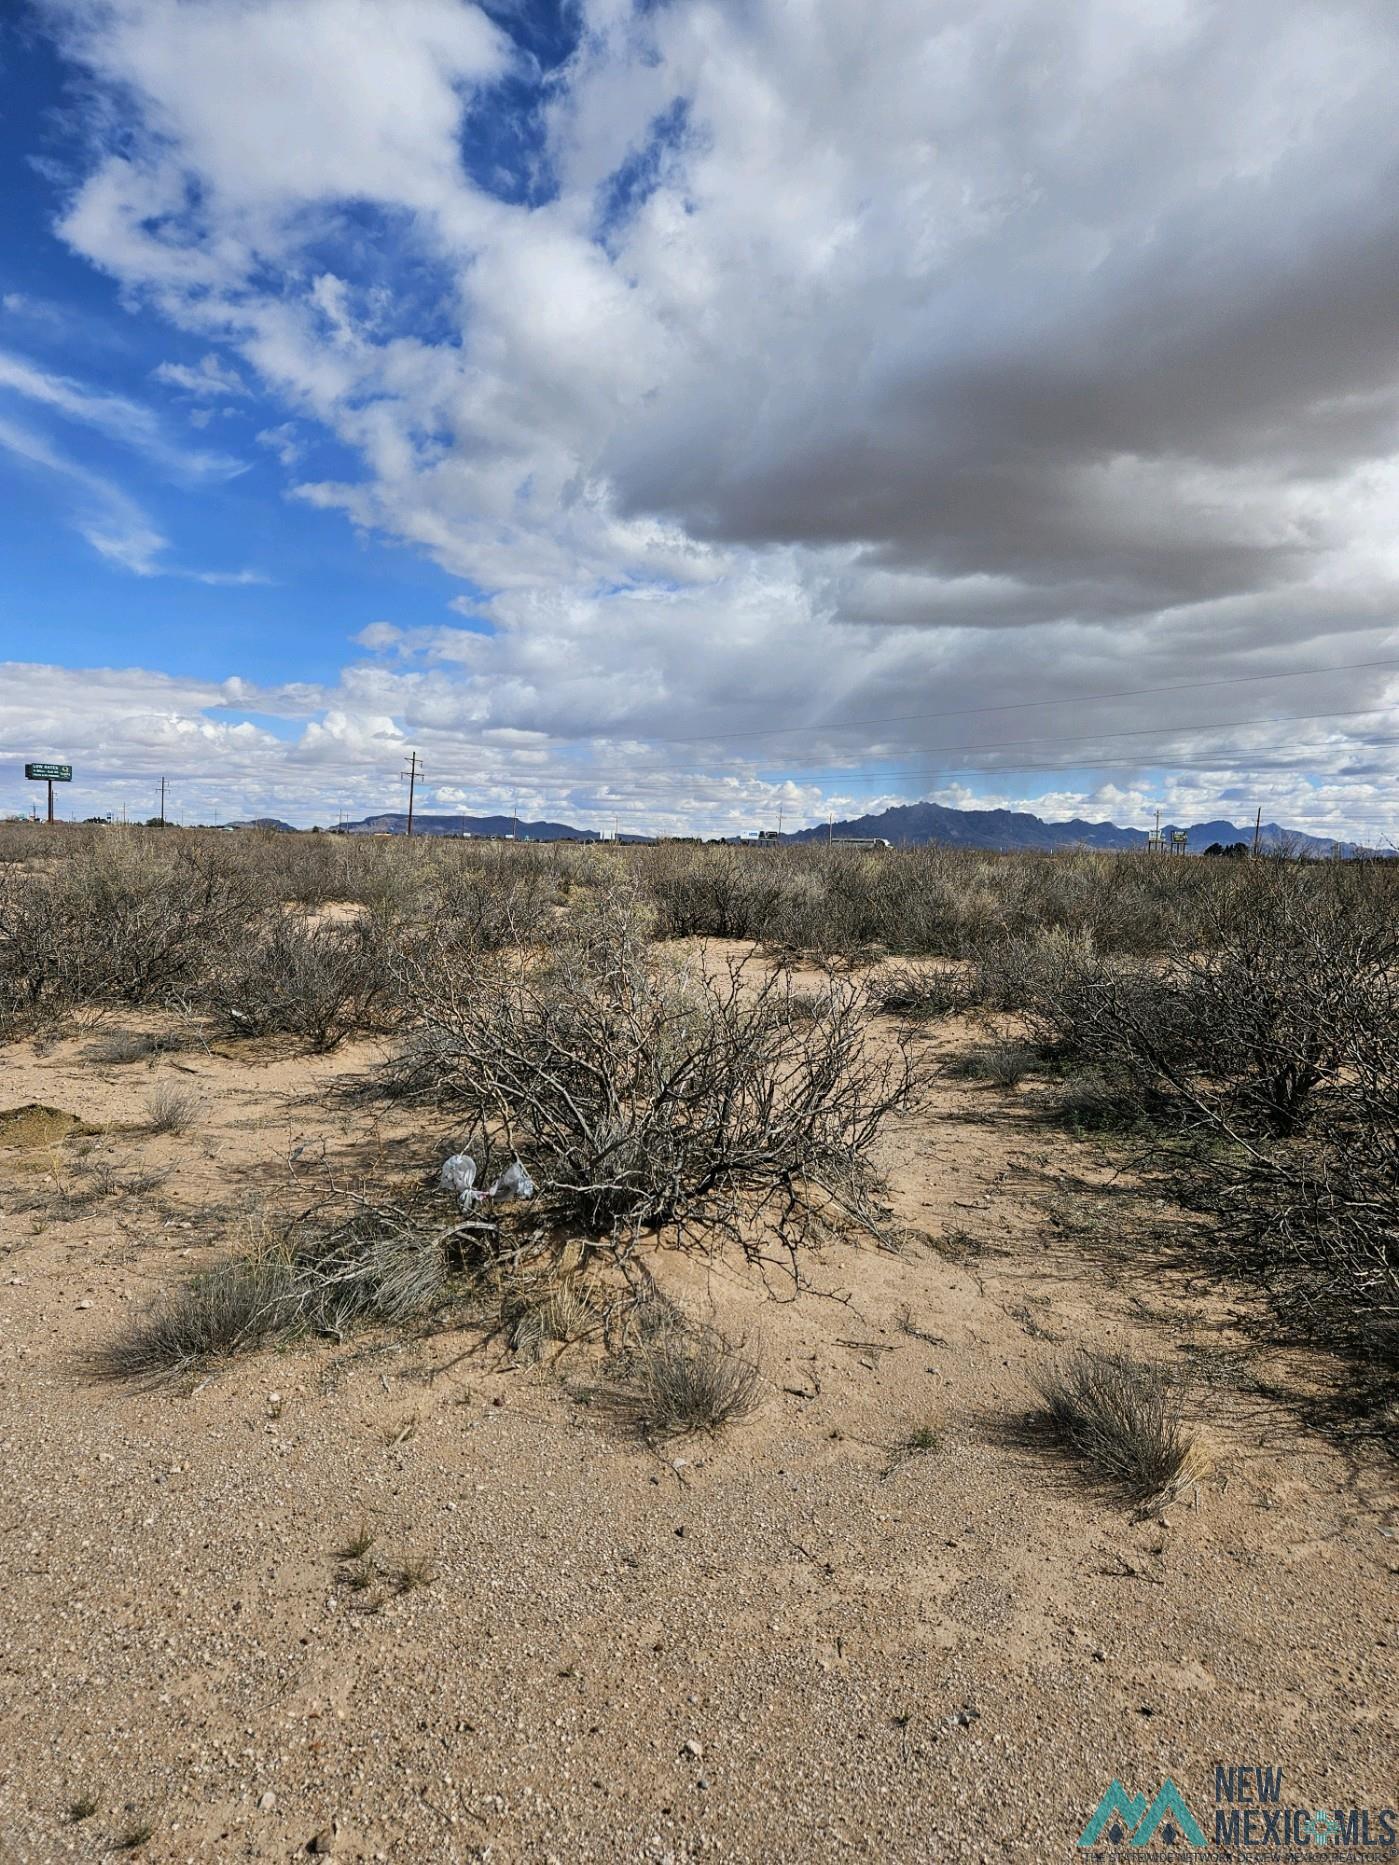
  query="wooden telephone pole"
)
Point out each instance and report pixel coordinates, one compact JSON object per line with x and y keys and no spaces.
{"x":413,"y":773}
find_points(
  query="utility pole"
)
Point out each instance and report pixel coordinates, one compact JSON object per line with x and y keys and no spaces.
{"x":1257,"y":829}
{"x":780,"y":810}
{"x":515,"y":816}
{"x":413,"y":773}
{"x":162,"y":802}
{"x":830,"y":828}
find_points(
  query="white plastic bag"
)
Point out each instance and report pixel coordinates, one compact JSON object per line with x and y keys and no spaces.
{"x":514,"y":1182}
{"x":459,"y":1175}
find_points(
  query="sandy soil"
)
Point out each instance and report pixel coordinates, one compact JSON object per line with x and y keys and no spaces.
{"x":784,"y":1644}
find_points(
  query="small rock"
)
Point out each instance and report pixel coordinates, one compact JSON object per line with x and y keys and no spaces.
{"x":84,"y":1303}
{"x":695,"y":1750}
{"x":267,"y":1803}
{"x":324,"y":1842}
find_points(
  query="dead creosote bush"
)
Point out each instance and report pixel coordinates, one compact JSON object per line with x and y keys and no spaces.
{"x":171,"y":1108}
{"x":117,"y":919}
{"x":918,"y":994}
{"x":1124,"y":1418}
{"x":292,"y":978}
{"x":644,"y":1093}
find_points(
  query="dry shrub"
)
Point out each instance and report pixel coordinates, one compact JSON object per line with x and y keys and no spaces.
{"x":123,"y":918}
{"x":292,"y":978}
{"x":642,"y":1093}
{"x":1294,"y":967}
{"x":833,"y":899}
{"x":500,"y":898}
{"x":918,"y":994}
{"x":1270,"y":1058}
{"x":1124,"y":1418}
{"x":721,"y":893}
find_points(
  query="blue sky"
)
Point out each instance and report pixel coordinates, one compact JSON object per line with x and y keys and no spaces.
{"x":697,"y":412}
{"x":318,"y":584}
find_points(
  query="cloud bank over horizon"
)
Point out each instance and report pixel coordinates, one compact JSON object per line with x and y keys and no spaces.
{"x":812,"y":407}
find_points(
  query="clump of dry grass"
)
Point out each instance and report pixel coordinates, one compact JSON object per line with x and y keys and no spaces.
{"x":378,"y":1266}
{"x":171,"y":1108}
{"x":689,"y":1378}
{"x":1124,"y":1417}
{"x":121,"y":1046}
{"x":232,"y":1308}
{"x":1004,"y":1064}
{"x":560,"y":1313}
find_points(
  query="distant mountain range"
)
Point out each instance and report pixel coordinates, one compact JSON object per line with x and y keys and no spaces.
{"x":397,"y":824}
{"x":905,"y":825}
{"x":913,"y":823}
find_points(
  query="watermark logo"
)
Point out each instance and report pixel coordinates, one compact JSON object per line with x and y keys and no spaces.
{"x":1120,"y":1817}
{"x":1250,"y":1818}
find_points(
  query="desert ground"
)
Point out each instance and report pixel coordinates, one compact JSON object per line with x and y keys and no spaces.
{"x":416,"y":1595}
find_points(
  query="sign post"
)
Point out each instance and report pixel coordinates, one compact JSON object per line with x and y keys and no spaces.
{"x":50,"y":774}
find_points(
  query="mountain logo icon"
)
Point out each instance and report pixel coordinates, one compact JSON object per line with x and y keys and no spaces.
{"x":1121,"y":1818}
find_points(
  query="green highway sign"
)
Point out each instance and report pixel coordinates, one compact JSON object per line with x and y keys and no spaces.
{"x":56,"y":773}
